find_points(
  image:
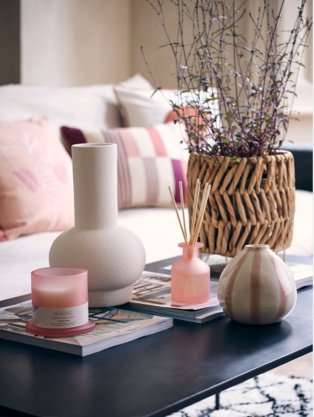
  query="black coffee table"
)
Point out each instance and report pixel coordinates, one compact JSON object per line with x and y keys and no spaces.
{"x":153,"y":376}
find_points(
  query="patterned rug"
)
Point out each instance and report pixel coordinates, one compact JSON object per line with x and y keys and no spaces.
{"x":268,"y":395}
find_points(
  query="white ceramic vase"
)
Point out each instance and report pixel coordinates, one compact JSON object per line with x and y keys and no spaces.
{"x":113,"y":255}
{"x":257,"y":287}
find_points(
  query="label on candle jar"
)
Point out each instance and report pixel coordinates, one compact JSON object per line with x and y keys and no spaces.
{"x":60,"y":317}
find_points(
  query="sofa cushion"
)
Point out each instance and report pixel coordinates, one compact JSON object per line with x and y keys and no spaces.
{"x":36,"y":191}
{"x":146,"y":107}
{"x":88,"y":107}
{"x":143,"y":106}
{"x":149,"y":160}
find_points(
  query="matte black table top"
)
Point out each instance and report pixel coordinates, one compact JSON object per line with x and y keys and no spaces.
{"x":152,"y":376}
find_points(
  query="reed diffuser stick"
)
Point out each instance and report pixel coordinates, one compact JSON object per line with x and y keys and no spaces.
{"x":201,"y":213}
{"x":182,"y":210}
{"x":197,"y":215}
{"x":195,"y":204}
{"x":177,"y":213}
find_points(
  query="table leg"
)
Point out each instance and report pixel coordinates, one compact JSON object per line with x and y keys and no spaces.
{"x":217,"y":401}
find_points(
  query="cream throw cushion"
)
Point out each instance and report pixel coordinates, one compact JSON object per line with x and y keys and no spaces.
{"x":147,"y":107}
{"x":142,"y":106}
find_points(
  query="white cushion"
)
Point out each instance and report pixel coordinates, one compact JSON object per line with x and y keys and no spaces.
{"x":144,"y":107}
{"x":136,"y":81}
{"x":87,"y":107}
{"x":141,"y":107}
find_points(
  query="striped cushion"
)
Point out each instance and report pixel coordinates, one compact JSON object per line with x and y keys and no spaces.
{"x":149,"y":160}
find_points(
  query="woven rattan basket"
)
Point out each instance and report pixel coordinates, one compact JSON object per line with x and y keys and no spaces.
{"x":252,"y":201}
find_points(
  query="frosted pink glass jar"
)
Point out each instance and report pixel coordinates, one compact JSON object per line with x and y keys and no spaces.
{"x":60,"y":302}
{"x":190,"y":277}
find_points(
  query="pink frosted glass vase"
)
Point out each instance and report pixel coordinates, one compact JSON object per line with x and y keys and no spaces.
{"x":190,"y":277}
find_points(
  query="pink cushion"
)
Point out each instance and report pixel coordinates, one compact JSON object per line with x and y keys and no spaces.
{"x":149,"y":160}
{"x":36,"y":191}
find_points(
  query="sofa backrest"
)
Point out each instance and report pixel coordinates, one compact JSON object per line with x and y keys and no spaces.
{"x":87,"y":107}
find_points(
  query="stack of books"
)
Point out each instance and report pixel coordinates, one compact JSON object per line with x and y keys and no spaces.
{"x":113,"y":327}
{"x":150,"y":311}
{"x":152,"y":294}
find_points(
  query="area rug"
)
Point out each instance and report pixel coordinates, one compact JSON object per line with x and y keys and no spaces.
{"x":268,"y":395}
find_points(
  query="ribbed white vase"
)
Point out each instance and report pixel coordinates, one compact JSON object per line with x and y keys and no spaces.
{"x":257,"y":287}
{"x":113,"y":255}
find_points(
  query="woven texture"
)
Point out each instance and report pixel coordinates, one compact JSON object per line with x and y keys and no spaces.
{"x":251,"y":201}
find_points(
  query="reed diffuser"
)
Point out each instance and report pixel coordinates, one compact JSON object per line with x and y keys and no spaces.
{"x":190,"y":276}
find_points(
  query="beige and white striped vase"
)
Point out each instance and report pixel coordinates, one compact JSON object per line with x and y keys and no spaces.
{"x":257,"y":287}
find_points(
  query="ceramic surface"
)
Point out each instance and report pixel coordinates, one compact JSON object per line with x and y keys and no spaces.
{"x":257,"y":287}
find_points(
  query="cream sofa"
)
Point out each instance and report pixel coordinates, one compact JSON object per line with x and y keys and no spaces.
{"x":96,"y":107}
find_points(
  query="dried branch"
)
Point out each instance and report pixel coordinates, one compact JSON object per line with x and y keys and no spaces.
{"x":240,"y":87}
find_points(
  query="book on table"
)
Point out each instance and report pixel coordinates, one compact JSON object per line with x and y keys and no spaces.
{"x":114,"y":326}
{"x":152,"y":294}
{"x":301,"y":271}
{"x":149,"y":311}
{"x":302,"y":274}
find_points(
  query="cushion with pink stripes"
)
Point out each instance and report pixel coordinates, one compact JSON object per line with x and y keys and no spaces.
{"x":149,"y":160}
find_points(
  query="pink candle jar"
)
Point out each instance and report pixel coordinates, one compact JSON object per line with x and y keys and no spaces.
{"x":190,"y":277}
{"x":60,"y":302}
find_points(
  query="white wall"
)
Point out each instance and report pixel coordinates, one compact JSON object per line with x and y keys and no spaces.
{"x":147,"y":32}
{"x":76,"y":42}
{"x":73,"y":42}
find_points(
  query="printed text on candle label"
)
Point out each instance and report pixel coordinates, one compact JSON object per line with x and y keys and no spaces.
{"x":62,"y":317}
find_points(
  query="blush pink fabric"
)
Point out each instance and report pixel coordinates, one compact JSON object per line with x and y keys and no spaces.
{"x":36,"y":186}
{"x":149,"y":160}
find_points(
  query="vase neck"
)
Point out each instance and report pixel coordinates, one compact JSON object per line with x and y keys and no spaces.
{"x":257,"y":247}
{"x":95,"y":185}
{"x":190,"y":251}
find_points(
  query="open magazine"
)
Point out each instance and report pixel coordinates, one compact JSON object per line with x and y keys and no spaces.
{"x":113,"y":327}
{"x":152,"y":294}
{"x":302,"y":273}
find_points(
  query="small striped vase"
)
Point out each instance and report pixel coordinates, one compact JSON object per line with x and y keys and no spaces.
{"x":257,"y":287}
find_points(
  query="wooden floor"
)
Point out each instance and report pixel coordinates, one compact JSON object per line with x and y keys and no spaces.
{"x":302,"y":366}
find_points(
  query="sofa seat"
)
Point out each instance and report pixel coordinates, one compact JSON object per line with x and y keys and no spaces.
{"x":157,"y":228}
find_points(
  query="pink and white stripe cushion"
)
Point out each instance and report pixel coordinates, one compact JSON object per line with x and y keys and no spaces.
{"x":149,"y":160}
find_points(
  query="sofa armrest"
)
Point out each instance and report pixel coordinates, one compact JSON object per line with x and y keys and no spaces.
{"x":303,"y":159}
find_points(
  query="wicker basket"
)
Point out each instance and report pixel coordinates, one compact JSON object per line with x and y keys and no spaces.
{"x":251,"y":201}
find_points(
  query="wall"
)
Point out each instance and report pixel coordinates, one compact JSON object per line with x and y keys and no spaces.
{"x":147,"y":33}
{"x":73,"y":42}
{"x":77,"y":42}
